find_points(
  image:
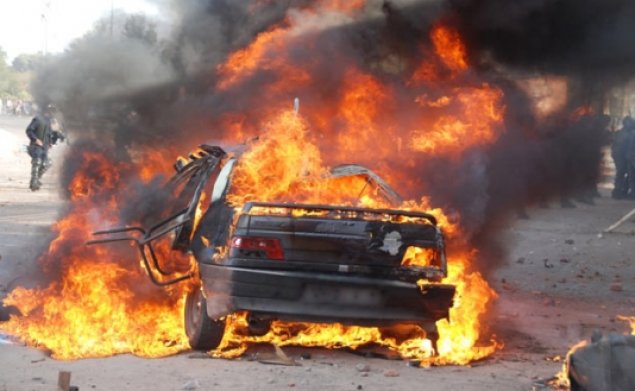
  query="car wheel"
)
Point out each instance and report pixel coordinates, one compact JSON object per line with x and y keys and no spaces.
{"x":202,"y":332}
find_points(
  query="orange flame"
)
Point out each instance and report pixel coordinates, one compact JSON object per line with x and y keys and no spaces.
{"x":629,"y":319}
{"x":261,"y":54}
{"x":273,"y":172}
{"x":94,"y":314}
{"x":102,"y":306}
{"x":482,"y":112}
{"x":417,"y":256}
{"x":343,"y":5}
{"x":97,"y":306}
{"x":459,"y":336}
{"x":457,"y":343}
{"x":449,"y":47}
{"x":580,"y":112}
{"x":449,"y":50}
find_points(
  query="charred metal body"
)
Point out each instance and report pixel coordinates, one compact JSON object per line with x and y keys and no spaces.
{"x":335,"y":268}
{"x":179,"y":224}
{"x":295,"y":262}
{"x":321,"y":297}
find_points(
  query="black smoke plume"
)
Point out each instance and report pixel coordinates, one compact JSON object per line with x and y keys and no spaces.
{"x":171,"y":84}
{"x":569,"y":37}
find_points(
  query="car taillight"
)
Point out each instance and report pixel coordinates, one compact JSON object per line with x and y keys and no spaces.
{"x":270,"y":247}
{"x":419,"y":257}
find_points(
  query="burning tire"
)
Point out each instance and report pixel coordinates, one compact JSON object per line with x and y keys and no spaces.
{"x":202,"y":332}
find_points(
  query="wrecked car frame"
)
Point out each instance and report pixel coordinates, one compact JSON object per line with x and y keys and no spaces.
{"x":296,"y":262}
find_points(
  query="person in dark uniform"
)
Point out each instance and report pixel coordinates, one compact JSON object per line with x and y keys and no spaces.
{"x":619,"y":153}
{"x":43,"y":132}
{"x":630,"y":164}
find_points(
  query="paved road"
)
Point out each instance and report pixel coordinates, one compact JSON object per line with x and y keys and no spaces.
{"x":25,"y":216}
{"x":544,"y":306}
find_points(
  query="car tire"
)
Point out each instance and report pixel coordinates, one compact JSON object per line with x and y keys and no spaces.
{"x":202,"y":332}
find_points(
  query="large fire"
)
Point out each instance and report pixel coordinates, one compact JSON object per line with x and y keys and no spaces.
{"x":101,"y":302}
{"x":294,"y":171}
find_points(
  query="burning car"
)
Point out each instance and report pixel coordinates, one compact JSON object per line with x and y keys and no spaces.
{"x":290,"y":261}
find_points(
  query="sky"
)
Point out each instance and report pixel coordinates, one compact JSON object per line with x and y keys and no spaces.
{"x":32,"y":26}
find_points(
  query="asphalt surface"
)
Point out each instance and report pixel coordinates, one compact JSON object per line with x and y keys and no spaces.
{"x":557,"y":284}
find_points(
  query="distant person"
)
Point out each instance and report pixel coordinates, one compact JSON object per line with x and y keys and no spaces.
{"x":620,"y":154}
{"x":630,"y":164}
{"x":9,"y":106}
{"x":17,"y":109}
{"x":43,"y":132}
{"x":594,"y":133}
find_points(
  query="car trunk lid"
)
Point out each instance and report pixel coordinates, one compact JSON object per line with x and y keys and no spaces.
{"x":342,"y":239}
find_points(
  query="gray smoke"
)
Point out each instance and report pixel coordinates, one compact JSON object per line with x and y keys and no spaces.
{"x":108,"y":61}
{"x":171,"y":82}
{"x":206,"y":31}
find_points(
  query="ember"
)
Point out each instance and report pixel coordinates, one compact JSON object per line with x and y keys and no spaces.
{"x":629,"y":319}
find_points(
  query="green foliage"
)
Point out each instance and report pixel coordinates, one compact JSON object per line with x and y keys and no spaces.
{"x":13,"y":84}
{"x":125,"y":26}
{"x":28,"y":62}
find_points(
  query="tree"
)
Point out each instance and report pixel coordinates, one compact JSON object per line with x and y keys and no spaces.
{"x":28,"y":62}
{"x":12,"y":85}
{"x":132,"y":27}
{"x":3,"y":57}
{"x":6,"y":78}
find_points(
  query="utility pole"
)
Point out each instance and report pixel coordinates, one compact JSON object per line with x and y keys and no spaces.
{"x":112,"y":16}
{"x":45,"y":26}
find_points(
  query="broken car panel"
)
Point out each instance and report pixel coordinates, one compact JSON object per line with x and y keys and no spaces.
{"x":298,"y":262}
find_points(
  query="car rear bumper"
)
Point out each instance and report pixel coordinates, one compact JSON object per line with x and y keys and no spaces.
{"x":323,"y":297}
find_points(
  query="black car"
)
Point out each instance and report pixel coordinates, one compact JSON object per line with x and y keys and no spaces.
{"x":296,"y":262}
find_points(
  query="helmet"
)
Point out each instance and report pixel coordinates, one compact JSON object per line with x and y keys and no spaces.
{"x":50,"y":108}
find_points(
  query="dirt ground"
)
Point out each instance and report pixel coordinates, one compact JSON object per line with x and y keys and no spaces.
{"x":561,"y":282}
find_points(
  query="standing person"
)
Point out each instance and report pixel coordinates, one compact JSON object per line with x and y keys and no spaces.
{"x":592,"y":132}
{"x":42,"y":135}
{"x":619,"y":153}
{"x":630,"y":164}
